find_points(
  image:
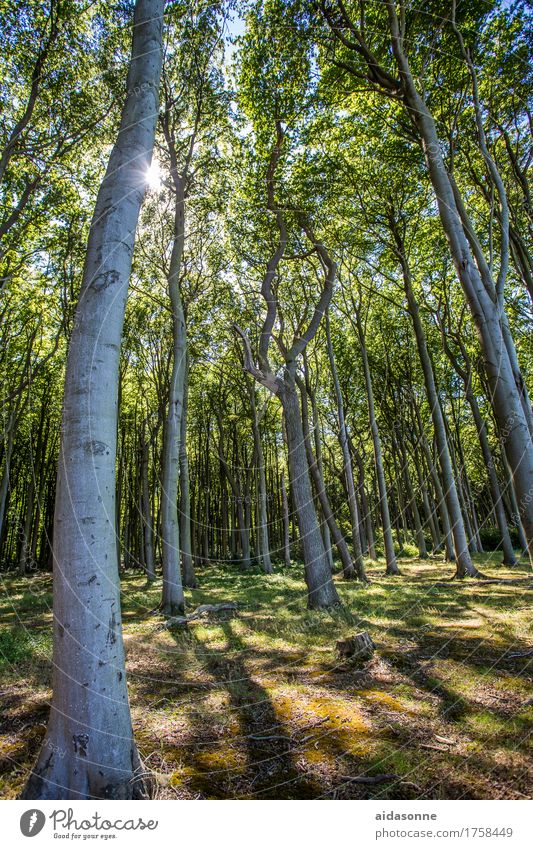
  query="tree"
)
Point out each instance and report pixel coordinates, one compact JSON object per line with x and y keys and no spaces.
{"x":89,"y":750}
{"x":482,"y":288}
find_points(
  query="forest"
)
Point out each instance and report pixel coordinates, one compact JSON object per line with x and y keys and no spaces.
{"x":266,"y":443}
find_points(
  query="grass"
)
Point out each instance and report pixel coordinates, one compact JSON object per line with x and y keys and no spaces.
{"x":259,"y":705}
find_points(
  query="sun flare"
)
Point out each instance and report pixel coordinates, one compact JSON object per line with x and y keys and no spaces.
{"x":153,"y":175}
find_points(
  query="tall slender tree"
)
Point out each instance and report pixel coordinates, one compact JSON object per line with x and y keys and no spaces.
{"x":89,"y":750}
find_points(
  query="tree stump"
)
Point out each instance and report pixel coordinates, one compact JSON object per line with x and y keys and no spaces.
{"x":358,"y":647}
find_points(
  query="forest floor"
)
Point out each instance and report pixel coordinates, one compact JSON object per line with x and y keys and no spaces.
{"x":260,"y":706}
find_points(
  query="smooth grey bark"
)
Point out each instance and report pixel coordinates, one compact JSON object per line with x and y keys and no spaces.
{"x":349,"y":568}
{"x":469,"y":507}
{"x":510,"y":490}
{"x":390,"y":556}
{"x":483,"y":294}
{"x":121,"y":438}
{"x":226,"y":533}
{"x":509,"y":557}
{"x":146,"y":511}
{"x":234,"y":482}
{"x":187,"y":565}
{"x":173,"y":599}
{"x":321,"y":590}
{"x":320,"y":586}
{"x":366,"y":511}
{"x":89,"y":750}
{"x":286,"y":523}
{"x":464,"y":564}
{"x":346,"y":459}
{"x":262,"y":531}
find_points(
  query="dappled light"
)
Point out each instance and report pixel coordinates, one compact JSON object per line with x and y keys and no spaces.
{"x":266,"y":443}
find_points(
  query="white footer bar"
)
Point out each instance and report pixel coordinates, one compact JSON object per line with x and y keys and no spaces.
{"x":269,"y":824}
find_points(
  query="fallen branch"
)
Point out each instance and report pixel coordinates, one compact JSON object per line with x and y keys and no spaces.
{"x":270,"y":737}
{"x":373,"y":779}
{"x":201,"y":611}
{"x":382,"y":779}
{"x":292,"y":739}
{"x":311,"y":725}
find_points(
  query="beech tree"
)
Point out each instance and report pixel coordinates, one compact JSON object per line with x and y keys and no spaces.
{"x":89,"y":749}
{"x":483,"y":288}
{"x":295,"y":346}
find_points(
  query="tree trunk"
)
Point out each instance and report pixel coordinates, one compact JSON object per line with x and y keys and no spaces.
{"x":89,"y":751}
{"x":320,"y":586}
{"x":390,"y":556}
{"x":420,"y":539}
{"x":485,"y":303}
{"x":187,"y":565}
{"x":431,"y":516}
{"x":514,"y":503}
{"x":348,"y":567}
{"x":464,"y":564}
{"x":233,"y":480}
{"x":8,"y":452}
{"x":147,"y":518}
{"x":286,"y":523}
{"x":264,"y":543}
{"x":366,"y":511}
{"x":173,"y":600}
{"x":347,"y":460}
{"x":509,"y":558}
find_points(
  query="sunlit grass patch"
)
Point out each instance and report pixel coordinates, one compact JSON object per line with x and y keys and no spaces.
{"x":260,"y":706}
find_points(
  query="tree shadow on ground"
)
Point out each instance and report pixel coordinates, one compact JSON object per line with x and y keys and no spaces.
{"x":262,"y":739}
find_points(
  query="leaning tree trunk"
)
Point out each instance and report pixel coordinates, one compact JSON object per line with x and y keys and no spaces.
{"x":189,"y":575}
{"x":173,"y":600}
{"x":320,"y":586}
{"x":286,"y":523}
{"x":464,"y":564}
{"x":484,"y":297}
{"x":325,"y":525}
{"x":89,"y":750}
{"x":439,"y":495}
{"x":347,"y":460}
{"x":366,"y":511}
{"x":509,"y":558}
{"x":262,"y":531}
{"x":511,"y":494}
{"x":147,"y":518}
{"x":348,"y":567}
{"x":390,"y":556}
{"x":419,"y":531}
